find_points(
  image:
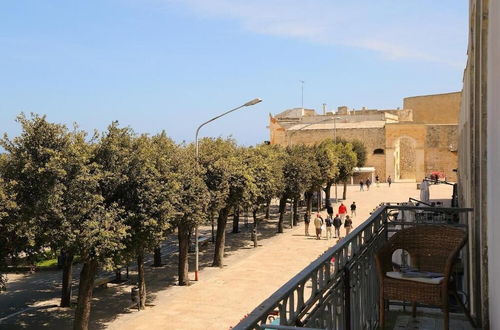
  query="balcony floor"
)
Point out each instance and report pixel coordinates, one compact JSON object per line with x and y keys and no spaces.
{"x":399,"y":320}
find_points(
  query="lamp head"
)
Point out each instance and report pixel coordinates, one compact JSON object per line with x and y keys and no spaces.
{"x":252,"y":102}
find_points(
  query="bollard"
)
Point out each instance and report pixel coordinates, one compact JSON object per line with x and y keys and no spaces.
{"x":134,"y":295}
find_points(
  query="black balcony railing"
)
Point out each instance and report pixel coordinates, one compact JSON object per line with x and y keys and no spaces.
{"x":339,"y":290}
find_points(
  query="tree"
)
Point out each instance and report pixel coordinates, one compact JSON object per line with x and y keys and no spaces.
{"x":147,"y":197}
{"x":328,"y":160}
{"x":299,"y":169}
{"x":347,"y":161}
{"x":191,"y":204}
{"x":226,"y":178}
{"x":265,"y":168}
{"x":360,"y":149}
{"x":43,"y":162}
{"x":8,"y":207}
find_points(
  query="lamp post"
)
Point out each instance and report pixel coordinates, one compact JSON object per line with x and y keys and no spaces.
{"x":300,"y":129}
{"x":248,"y":104}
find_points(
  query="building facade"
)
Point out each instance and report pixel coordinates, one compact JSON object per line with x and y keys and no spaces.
{"x":407,"y":144}
{"x":479,"y":156}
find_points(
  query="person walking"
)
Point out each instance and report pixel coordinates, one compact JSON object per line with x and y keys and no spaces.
{"x":377,"y":181}
{"x":329,"y":223}
{"x":348,"y":225}
{"x":342,"y":211}
{"x":368,"y":183}
{"x":389,"y":181}
{"x":329,"y":210}
{"x":353,"y":209}
{"x":318,"y":222}
{"x":307,"y":220}
{"x":337,"y":223}
{"x":361,"y":185}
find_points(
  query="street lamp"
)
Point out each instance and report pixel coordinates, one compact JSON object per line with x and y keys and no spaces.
{"x":248,"y":104}
{"x":300,"y":129}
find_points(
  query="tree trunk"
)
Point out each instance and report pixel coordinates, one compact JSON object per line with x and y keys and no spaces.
{"x":295,"y":206}
{"x":66,"y":279}
{"x":236,"y":220}
{"x":184,"y":237}
{"x":327,"y":194}
{"x":85,"y":288}
{"x":254,"y":213}
{"x":118,"y":275}
{"x":309,"y":197}
{"x":268,"y":209}
{"x":220,"y":239}
{"x":157,"y":257}
{"x":142,"y":282}
{"x":213,"y":226}
{"x":282,"y":208}
{"x":344,"y":195}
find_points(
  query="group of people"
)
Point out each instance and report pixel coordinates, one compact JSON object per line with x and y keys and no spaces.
{"x":341,"y":218}
{"x":368,"y":183}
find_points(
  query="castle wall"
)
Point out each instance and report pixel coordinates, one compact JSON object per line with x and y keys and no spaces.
{"x":441,"y":150}
{"x":434,"y":109}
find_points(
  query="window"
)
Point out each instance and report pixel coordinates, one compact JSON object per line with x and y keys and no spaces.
{"x":378,"y":151}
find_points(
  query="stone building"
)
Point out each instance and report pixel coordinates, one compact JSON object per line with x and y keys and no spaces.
{"x":407,"y":144}
{"x":479,"y":158}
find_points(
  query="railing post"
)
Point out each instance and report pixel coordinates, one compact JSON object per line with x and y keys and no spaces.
{"x":347,"y":297}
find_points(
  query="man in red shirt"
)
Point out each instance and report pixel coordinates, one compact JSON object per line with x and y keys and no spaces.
{"x":342,"y":211}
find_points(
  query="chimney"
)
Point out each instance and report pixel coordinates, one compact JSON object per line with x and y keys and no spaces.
{"x":324,"y":109}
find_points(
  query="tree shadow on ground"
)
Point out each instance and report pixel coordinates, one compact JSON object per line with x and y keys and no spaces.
{"x":115,"y":300}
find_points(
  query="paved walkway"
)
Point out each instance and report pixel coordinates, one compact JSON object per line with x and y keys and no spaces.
{"x":223,"y":296}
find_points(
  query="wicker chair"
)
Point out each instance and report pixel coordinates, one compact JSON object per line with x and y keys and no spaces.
{"x":431,"y":248}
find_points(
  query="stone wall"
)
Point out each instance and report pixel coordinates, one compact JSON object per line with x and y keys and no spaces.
{"x":434,"y":109}
{"x":410,"y":132}
{"x":373,"y":138}
{"x":441,"y":145}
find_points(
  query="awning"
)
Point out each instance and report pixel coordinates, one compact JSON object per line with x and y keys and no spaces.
{"x":363,"y":170}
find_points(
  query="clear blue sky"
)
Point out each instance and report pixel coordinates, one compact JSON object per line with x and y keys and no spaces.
{"x":172,"y":64}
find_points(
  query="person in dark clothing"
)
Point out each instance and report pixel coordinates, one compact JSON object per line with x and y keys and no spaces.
{"x":353,"y":209}
{"x":361,"y":185}
{"x":337,"y":223}
{"x":329,"y":223}
{"x":389,"y":181}
{"x":368,"y":183}
{"x":329,"y":210}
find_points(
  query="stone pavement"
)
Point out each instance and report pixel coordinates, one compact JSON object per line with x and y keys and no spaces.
{"x":224,"y":296}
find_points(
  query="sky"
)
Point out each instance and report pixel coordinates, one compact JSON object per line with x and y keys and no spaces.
{"x":170,"y":65}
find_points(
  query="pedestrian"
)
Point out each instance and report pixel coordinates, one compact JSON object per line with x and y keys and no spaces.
{"x":377,"y":181}
{"x":337,"y":223}
{"x":329,"y":210}
{"x":329,"y":222}
{"x":368,"y":183}
{"x":353,"y":209}
{"x":348,"y":225}
{"x":307,"y":220}
{"x":342,"y":211}
{"x":361,"y":185}
{"x":389,"y":181}
{"x":318,"y":222}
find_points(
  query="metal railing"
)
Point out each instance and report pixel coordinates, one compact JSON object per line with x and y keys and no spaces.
{"x":339,"y":290}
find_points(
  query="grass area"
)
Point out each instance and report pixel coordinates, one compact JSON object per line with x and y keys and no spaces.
{"x":49,"y":263}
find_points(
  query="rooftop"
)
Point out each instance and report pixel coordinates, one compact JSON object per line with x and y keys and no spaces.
{"x":338,"y":125}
